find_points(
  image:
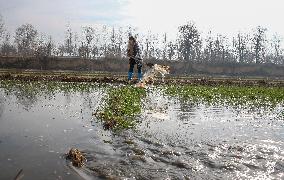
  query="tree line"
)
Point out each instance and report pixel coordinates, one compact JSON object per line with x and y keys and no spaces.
{"x":100,"y":41}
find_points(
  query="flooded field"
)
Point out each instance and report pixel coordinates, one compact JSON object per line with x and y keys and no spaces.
{"x":162,"y":132}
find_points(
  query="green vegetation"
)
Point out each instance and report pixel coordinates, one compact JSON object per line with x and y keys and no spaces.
{"x":234,"y":94}
{"x":122,"y":105}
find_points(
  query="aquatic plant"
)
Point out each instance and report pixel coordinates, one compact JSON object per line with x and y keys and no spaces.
{"x":121,"y":107}
{"x":234,"y":94}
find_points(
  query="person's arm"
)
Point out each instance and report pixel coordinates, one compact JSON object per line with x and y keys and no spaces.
{"x":136,"y":50}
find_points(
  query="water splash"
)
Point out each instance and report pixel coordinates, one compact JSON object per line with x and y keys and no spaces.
{"x":154,"y":71}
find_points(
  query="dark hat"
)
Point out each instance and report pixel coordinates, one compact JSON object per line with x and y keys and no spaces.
{"x":131,"y":38}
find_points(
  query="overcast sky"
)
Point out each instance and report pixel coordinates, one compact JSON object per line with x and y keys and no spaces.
{"x":220,"y":16}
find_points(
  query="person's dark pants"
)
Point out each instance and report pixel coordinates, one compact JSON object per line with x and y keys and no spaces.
{"x":131,"y":69}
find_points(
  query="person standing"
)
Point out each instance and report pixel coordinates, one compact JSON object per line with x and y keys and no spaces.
{"x":133,"y":52}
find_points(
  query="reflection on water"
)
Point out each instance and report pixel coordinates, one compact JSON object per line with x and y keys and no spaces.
{"x":217,"y":141}
{"x":176,"y":138}
{"x":1,"y":106}
{"x":39,"y":123}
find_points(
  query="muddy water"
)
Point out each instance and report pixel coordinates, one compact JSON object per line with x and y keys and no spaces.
{"x":175,"y":138}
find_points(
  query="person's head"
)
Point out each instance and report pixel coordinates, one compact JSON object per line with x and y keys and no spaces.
{"x":131,"y":38}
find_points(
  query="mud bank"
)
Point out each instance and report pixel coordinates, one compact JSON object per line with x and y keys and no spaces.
{"x":121,"y":78}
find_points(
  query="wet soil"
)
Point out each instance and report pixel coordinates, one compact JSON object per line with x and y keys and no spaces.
{"x":103,"y":77}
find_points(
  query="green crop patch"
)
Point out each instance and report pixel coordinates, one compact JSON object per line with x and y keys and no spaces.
{"x":233,"y":94}
{"x":121,"y":106}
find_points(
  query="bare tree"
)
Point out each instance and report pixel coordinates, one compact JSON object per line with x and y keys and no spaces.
{"x":189,"y":41}
{"x":172,"y":50}
{"x":208,"y":51}
{"x":116,"y":41}
{"x":83,"y":50}
{"x":76,"y":43}
{"x":45,"y":46}
{"x":120,"y":41}
{"x":2,"y":28}
{"x":150,"y":46}
{"x":95,"y":51}
{"x":89,"y":36}
{"x":259,"y":43}
{"x":197,"y":50}
{"x":147,"y":48}
{"x":221,"y":49}
{"x":241,"y":47}
{"x":60,"y":50}
{"x":104,"y":41}
{"x":276,"y":49}
{"x":165,"y":46}
{"x":116,"y":46}
{"x":50,"y":46}
{"x":168,"y":49}
{"x":69,"y":45}
{"x":25,"y":39}
{"x":7,"y":49}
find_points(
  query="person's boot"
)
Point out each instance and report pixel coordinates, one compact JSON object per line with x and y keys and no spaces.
{"x":130,"y":74}
{"x":140,"y":76}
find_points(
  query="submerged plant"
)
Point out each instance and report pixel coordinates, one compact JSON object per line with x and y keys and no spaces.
{"x":121,"y":107}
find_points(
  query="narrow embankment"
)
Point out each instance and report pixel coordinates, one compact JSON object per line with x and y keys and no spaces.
{"x":108,"y":77}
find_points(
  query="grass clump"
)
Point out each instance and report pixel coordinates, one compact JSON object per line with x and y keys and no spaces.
{"x":121,"y":107}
